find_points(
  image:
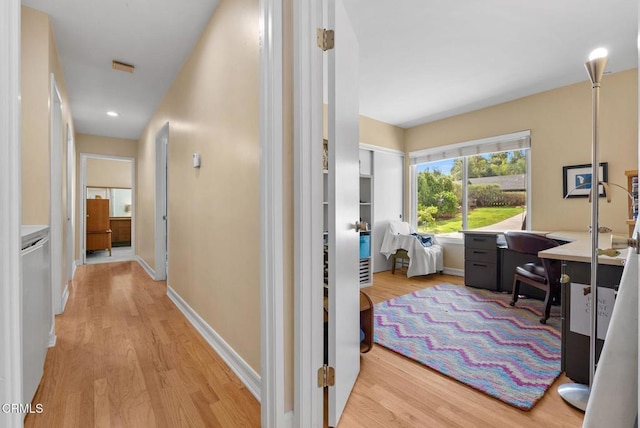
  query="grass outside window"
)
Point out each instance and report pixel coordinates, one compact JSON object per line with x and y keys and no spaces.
{"x":478,"y":217}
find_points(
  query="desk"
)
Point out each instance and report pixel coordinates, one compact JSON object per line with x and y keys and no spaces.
{"x":576,"y":262}
{"x":575,"y":254}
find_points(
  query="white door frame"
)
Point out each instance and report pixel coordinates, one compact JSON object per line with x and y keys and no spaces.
{"x":10,"y":214}
{"x":271,"y":217}
{"x":71,"y":213}
{"x":161,"y":217}
{"x":308,"y":241}
{"x":82,"y":238}
{"x":59,"y":288}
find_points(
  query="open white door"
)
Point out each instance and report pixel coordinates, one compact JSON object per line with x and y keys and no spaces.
{"x":343,"y":198}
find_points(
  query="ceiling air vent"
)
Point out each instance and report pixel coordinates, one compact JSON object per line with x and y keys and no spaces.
{"x":117,"y":65}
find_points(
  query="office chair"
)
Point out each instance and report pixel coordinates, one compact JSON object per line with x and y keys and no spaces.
{"x":543,"y":274}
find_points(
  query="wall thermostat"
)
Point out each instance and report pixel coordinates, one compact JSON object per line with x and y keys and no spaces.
{"x":196,"y":160}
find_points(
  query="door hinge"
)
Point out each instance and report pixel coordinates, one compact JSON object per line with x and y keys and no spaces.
{"x":325,"y":39}
{"x":326,"y":376}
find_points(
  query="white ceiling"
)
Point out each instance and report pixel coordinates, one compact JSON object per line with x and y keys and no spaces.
{"x":154,"y":35}
{"x":425,"y":60}
{"x":419,"y":60}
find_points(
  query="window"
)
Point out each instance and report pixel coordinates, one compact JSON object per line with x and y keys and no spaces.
{"x":486,"y":190}
{"x":120,"y":199}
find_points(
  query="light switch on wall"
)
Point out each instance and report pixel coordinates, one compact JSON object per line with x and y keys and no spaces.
{"x":196,"y":160}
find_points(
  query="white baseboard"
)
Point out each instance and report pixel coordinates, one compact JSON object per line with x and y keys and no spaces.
{"x":288,"y":419}
{"x":74,"y":266}
{"x":245,"y":373}
{"x":65,"y":297}
{"x":146,"y":267}
{"x":454,"y":272}
{"x":52,"y":337}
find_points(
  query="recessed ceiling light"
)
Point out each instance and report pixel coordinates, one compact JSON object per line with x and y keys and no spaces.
{"x":112,"y":113}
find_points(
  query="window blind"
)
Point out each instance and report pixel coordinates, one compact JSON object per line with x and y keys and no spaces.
{"x":501,"y":143}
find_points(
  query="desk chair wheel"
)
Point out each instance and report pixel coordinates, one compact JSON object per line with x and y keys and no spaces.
{"x":543,"y":320}
{"x":512,"y":303}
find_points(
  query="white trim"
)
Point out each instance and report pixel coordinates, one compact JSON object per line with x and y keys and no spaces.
{"x":55,"y":206}
{"x":52,"y":337}
{"x":161,"y":225}
{"x":146,"y":267}
{"x":288,"y":419}
{"x":473,"y":147}
{"x":455,"y":238}
{"x":65,"y":297}
{"x":70,"y":208}
{"x":373,"y":148}
{"x":82,"y":238}
{"x":271,"y":215}
{"x":10,"y":214}
{"x":74,"y":268}
{"x":453,"y":271}
{"x":308,"y":241}
{"x":245,"y":373}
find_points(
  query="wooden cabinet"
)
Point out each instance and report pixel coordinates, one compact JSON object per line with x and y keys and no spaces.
{"x":98,"y":225}
{"x":121,"y":231}
{"x":97,"y":215}
{"x":632,"y":187}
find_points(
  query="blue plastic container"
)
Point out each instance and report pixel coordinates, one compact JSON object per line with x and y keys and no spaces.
{"x":365,"y":247}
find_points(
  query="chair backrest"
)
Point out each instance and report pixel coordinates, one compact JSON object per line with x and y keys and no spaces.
{"x":400,"y":227}
{"x":528,"y":243}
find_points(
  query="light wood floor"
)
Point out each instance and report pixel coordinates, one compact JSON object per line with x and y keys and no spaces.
{"x":126,"y":357}
{"x":393,"y":391}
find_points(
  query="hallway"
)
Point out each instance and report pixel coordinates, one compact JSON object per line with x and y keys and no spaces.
{"x":126,"y":357}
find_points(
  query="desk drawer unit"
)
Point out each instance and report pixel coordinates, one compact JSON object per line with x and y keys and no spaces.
{"x":481,"y":261}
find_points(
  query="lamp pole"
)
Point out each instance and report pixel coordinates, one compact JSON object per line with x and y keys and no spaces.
{"x":577,"y":394}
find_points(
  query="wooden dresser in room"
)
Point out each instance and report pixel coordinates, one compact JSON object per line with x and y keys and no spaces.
{"x":98,"y":227}
{"x":120,"y":231}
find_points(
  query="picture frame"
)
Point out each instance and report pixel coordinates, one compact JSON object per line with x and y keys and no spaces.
{"x":576,"y":180}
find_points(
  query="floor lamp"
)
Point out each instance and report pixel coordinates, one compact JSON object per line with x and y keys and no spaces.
{"x":574,"y":393}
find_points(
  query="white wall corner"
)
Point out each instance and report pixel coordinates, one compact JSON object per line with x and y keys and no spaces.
{"x":74,"y":268}
{"x":245,"y":373}
{"x":453,"y":271}
{"x":146,"y":267}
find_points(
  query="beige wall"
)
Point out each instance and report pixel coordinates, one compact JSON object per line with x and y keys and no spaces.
{"x":35,"y":117}
{"x":108,"y":173}
{"x":560,"y":124}
{"x":214,"y":211}
{"x":372,"y":132}
{"x":98,"y":145}
{"x":39,"y":59}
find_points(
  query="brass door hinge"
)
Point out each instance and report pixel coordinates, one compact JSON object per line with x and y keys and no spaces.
{"x":325,"y":39}
{"x":326,"y":376}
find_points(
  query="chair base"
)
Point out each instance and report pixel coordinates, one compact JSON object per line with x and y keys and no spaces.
{"x":399,"y":254}
{"x":551,"y":294}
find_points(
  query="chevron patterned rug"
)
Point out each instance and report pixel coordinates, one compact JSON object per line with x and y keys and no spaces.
{"x":475,"y":337}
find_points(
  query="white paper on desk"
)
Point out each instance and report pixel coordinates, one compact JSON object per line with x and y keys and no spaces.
{"x":581,"y":310}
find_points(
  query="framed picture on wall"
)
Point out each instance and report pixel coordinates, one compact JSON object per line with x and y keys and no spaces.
{"x":577,"y":180}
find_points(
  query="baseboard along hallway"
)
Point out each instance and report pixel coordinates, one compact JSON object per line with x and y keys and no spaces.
{"x":127,"y":357}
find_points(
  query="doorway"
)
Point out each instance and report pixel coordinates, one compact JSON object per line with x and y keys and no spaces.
{"x":161,"y":212}
{"x":105,"y":178}
{"x":58,"y":285}
{"x":70,"y":224}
